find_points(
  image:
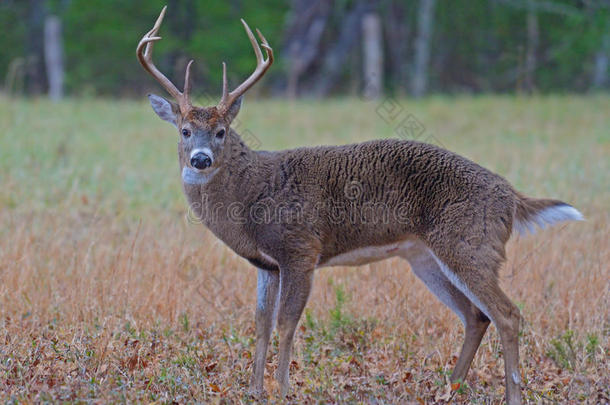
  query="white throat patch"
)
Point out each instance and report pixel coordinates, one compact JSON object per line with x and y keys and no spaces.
{"x":192,"y":176}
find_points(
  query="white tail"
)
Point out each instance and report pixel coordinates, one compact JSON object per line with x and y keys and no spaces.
{"x":542,"y":213}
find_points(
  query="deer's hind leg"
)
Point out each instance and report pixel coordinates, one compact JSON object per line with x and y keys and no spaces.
{"x":475,"y":322}
{"x":474,"y":272}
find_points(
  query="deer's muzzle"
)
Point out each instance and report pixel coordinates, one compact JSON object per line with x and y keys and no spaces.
{"x":201,"y":159}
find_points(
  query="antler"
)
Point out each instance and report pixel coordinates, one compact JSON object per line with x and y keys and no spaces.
{"x":262,"y":66}
{"x":145,"y":58}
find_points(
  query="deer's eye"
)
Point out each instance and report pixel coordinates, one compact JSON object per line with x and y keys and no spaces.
{"x":220,"y":134}
{"x":186,"y":133}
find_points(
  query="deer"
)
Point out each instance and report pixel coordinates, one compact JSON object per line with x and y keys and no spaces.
{"x":291,"y":212}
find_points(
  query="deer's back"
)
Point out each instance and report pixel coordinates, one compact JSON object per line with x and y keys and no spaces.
{"x":381,"y":192}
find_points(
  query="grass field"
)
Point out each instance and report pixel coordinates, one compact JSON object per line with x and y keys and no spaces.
{"x":108,"y":293}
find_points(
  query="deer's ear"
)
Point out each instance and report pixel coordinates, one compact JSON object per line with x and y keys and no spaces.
{"x":234,"y":109}
{"x":165,"y":109}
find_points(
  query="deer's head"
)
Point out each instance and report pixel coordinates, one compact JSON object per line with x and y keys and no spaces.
{"x":202,"y":130}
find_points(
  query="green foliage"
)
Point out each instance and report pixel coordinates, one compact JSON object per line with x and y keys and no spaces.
{"x":568,"y":45}
{"x":562,"y":350}
{"x":102,"y":59}
{"x":569,"y":352}
{"x":12,"y":34}
{"x":101,"y":55}
{"x":347,"y":334}
{"x":463,"y":387}
{"x":486,"y":43}
{"x":477,"y":45}
{"x":337,"y":317}
{"x":184,"y":321}
{"x":592,"y":343}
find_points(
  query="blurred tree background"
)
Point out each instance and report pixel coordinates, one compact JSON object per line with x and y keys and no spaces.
{"x":323,"y":47}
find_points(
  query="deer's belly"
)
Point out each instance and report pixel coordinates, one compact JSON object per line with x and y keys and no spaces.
{"x":368,"y":254}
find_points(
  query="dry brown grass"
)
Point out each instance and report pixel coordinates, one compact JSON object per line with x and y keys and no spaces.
{"x":104,"y":299}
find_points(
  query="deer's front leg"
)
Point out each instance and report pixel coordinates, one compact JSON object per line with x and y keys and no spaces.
{"x":295,"y":285}
{"x":267,"y":287}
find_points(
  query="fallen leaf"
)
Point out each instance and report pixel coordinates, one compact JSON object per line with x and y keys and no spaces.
{"x":102,"y":368}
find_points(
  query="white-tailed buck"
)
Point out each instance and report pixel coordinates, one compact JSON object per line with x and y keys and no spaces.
{"x":291,"y":212}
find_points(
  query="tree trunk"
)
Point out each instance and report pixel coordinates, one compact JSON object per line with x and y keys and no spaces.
{"x":182,"y":22}
{"x":600,"y":71}
{"x":532,"y":48}
{"x":337,"y":55}
{"x":305,"y":28}
{"x":13,"y":84}
{"x":425,"y":24}
{"x":372,"y":54}
{"x":53,"y":56}
{"x":35,"y":80}
{"x":397,"y":33}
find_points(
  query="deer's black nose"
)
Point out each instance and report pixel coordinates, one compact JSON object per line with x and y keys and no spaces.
{"x":201,"y":161}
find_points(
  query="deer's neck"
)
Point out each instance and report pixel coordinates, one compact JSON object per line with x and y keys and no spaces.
{"x":223,"y":203}
{"x":229,"y":186}
{"x":240,"y":165}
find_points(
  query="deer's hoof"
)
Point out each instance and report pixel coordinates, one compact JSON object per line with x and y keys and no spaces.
{"x":257,"y":393}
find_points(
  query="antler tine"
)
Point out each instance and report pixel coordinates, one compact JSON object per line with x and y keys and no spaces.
{"x":153,"y":33}
{"x":262,"y":66}
{"x":187,"y":81}
{"x":264,"y":42}
{"x":225,"y":84}
{"x":144,"y":53}
{"x":253,"y":41}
